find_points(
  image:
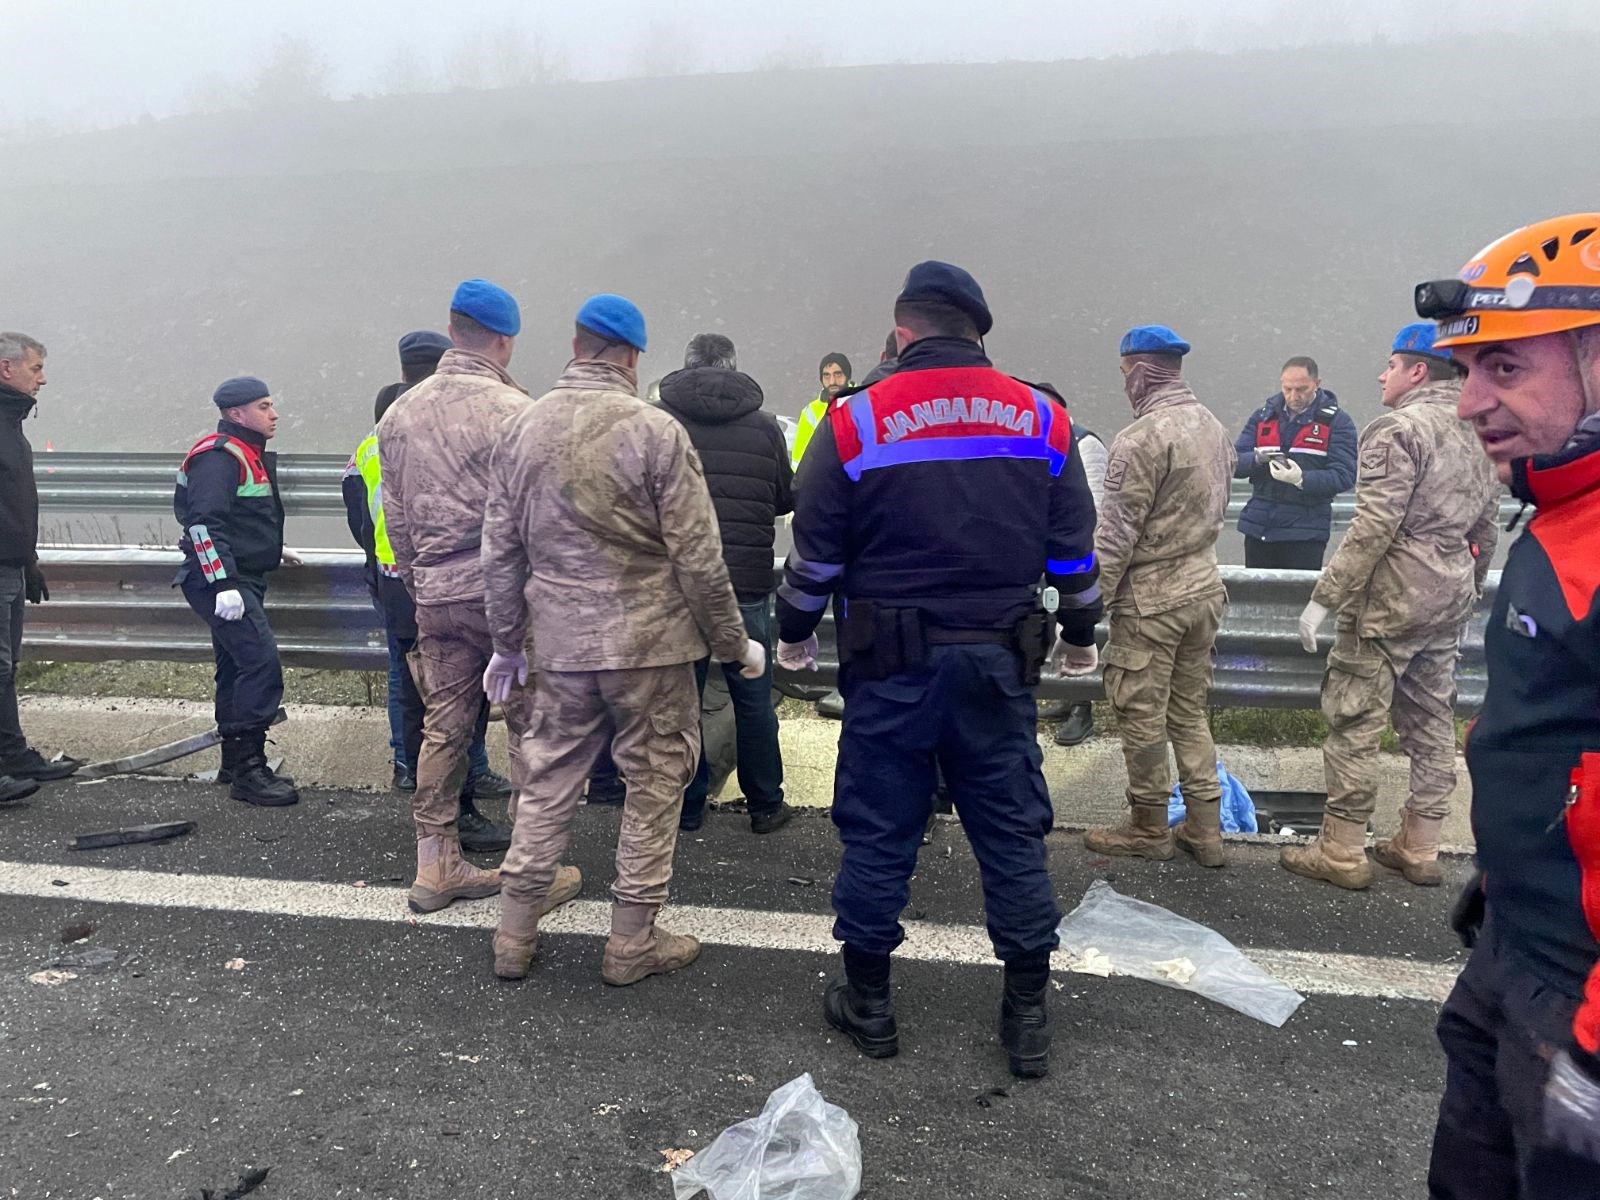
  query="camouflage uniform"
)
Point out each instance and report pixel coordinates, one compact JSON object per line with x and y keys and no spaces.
{"x":601,"y":553}
{"x":1402,"y":585}
{"x":1166,"y":494}
{"x":435,"y":444}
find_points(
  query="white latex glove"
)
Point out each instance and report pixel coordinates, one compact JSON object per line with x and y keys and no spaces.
{"x":754,"y":663}
{"x":798,"y":656}
{"x":290,"y":559}
{"x":1075,"y":660}
{"x":230,"y":605}
{"x":1572,"y":1108}
{"x":1310,"y":621}
{"x":1286,"y":470}
{"x":505,"y":671}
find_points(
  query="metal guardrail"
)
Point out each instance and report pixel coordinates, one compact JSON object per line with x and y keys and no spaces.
{"x":309,"y":484}
{"x":119,"y":603}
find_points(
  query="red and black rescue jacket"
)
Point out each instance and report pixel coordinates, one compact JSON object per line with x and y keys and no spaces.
{"x":1534,"y":750}
{"x":228,"y":508}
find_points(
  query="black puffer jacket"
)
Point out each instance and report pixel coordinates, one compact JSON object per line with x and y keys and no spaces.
{"x":19,"y":497}
{"x":746,"y":462}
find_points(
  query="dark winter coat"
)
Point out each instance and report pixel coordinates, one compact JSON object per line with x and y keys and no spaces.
{"x":1322,"y":439}
{"x":746,"y":463}
{"x":19,"y":495}
{"x":228,"y":507}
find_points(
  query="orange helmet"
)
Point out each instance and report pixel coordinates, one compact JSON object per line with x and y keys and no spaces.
{"x":1543,"y":278}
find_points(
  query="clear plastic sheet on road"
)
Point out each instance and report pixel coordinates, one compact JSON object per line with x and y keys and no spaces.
{"x":1147,"y":941}
{"x":800,"y":1147}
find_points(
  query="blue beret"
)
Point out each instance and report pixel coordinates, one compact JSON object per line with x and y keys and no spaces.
{"x":242,"y":389}
{"x":423,"y":346}
{"x":615,"y":318}
{"x":935,"y":282}
{"x":490,"y":305}
{"x":1153,"y":339}
{"x":1417,"y":338}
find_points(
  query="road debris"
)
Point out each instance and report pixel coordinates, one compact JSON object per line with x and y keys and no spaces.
{"x":51,"y":977}
{"x":234,"y":964}
{"x":249,"y":1181}
{"x":674,"y":1160}
{"x":799,"y":1147}
{"x":1091,"y":962}
{"x":606,"y":1110}
{"x":131,"y":836}
{"x":77,"y":932}
{"x":89,"y":959}
{"x":1152,"y":943}
{"x":987,"y":1098}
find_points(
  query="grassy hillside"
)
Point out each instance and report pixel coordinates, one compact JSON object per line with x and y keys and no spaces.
{"x":1266,"y":205}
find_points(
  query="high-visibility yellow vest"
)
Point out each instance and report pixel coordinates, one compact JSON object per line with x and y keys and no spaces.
{"x":372,"y":475}
{"x":810,"y":417}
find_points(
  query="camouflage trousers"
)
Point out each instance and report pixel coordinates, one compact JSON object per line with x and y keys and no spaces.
{"x":651,"y":716}
{"x":1368,"y":683}
{"x":453,"y":649}
{"x":1157,"y":678}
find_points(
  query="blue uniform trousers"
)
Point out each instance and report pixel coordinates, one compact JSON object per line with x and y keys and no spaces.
{"x":249,"y":675}
{"x":965,"y":711}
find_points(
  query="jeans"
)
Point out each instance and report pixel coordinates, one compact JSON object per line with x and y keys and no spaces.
{"x":12,"y":592}
{"x":760,"y":762}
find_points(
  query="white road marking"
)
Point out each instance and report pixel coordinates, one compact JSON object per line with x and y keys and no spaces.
{"x":1305,"y":971}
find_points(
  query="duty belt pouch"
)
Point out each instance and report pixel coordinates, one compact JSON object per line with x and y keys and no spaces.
{"x":877,"y":642}
{"x":1031,"y":638}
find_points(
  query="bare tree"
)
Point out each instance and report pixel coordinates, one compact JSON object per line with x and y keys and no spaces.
{"x":212,"y":93}
{"x":666,"y":48}
{"x":293,"y":74}
{"x":797,"y":54}
{"x":504,"y":57}
{"x":405,"y":73}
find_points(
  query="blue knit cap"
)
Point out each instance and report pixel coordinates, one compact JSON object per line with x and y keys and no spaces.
{"x":490,"y":305}
{"x":614,"y":318}
{"x":242,"y":389}
{"x":1153,"y":339}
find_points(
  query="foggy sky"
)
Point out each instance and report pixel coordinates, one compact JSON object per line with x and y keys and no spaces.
{"x":94,"y":62}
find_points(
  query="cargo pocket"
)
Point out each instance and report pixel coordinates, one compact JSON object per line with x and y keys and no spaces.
{"x":1347,"y":685}
{"x":1124,"y":665}
{"x":675,"y":741}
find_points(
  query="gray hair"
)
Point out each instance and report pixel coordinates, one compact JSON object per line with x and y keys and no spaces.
{"x":14,"y":347}
{"x":710,"y":350}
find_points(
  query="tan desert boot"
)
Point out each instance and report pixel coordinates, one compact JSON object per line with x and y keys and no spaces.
{"x":1414,"y":850}
{"x":1338,"y":855}
{"x":1143,"y":835}
{"x":1199,"y":834}
{"x":518,"y":934}
{"x":444,"y":876}
{"x":638,"y":946}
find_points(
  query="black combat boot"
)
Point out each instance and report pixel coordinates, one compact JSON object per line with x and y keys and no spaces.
{"x":230,"y":760}
{"x":1025,"y":1016}
{"x":479,"y":834}
{"x":860,"y":1005}
{"x":253,"y":783}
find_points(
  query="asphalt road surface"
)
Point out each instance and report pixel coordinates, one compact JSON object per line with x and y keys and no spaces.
{"x":264,"y":1011}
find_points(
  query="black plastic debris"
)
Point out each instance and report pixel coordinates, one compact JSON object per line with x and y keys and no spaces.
{"x":248,"y":1182}
{"x":131,"y":836}
{"x":88,"y":959}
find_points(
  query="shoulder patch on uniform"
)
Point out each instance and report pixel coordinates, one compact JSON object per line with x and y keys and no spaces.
{"x":1375,"y":462}
{"x":1116,"y":470}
